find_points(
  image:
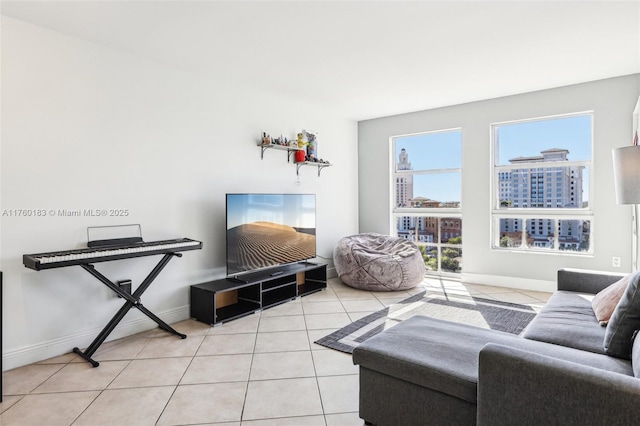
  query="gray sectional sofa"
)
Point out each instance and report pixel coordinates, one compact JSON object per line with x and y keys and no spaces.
{"x":425,"y":371}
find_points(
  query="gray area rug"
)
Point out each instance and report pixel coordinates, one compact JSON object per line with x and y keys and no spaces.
{"x":476,"y":311}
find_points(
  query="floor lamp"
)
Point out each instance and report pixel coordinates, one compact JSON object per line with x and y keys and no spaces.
{"x":626,"y":170}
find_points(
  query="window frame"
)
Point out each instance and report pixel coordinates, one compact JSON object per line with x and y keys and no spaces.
{"x":542,"y":213}
{"x":439,"y":213}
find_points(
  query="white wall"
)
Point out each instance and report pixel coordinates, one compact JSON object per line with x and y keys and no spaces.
{"x":612,"y":101}
{"x":88,"y":127}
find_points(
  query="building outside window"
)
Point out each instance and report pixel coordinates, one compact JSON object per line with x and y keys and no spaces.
{"x":426,"y":206}
{"x":541,"y":185}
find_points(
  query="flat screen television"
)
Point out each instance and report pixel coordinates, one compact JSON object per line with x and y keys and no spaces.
{"x":269,"y":230}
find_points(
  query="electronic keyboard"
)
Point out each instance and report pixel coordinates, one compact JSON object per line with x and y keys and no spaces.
{"x":115,"y":249}
{"x":59,"y":259}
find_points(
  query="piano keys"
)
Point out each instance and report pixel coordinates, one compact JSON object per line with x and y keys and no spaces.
{"x":59,"y":259}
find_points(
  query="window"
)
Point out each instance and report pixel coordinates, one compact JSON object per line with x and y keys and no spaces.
{"x":426,"y":205}
{"x":556,"y":218}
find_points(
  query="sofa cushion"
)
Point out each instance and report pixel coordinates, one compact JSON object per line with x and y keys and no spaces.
{"x":635,"y":354}
{"x":624,"y":322}
{"x":443,"y":356}
{"x":568,"y":320}
{"x":606,"y":300}
{"x":430,"y":353}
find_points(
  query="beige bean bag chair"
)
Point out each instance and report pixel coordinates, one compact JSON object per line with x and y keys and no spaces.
{"x":378,"y":262}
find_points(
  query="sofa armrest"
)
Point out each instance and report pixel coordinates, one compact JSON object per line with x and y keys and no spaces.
{"x":584,"y":281}
{"x":525,"y":388}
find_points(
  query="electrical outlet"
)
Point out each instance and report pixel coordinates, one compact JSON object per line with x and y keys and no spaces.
{"x":615,"y":261}
{"x":125,"y":285}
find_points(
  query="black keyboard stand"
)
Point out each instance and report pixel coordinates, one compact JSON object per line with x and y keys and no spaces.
{"x":132,"y":301}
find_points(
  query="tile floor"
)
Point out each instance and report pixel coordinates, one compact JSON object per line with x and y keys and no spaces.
{"x":259,"y":370}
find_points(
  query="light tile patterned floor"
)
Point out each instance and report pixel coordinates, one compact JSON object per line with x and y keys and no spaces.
{"x":260,"y":370}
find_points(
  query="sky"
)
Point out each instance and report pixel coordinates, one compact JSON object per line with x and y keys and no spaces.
{"x":443,"y":150}
{"x":528,"y":139}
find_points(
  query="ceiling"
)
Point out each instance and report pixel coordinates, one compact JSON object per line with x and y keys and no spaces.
{"x":365,"y":59}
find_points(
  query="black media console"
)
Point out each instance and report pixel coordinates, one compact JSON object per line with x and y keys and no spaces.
{"x":223,"y":300}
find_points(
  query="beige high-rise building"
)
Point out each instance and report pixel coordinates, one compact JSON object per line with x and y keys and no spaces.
{"x":550,"y":186}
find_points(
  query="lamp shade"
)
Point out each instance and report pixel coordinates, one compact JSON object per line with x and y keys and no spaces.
{"x":626,"y":170}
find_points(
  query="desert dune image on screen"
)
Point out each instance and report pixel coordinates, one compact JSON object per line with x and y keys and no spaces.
{"x":266,"y":230}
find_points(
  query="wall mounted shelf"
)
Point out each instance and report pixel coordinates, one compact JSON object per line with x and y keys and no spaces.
{"x":289,"y":149}
{"x":320,"y":166}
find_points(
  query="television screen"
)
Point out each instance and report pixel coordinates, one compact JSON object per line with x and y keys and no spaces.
{"x":267,"y":230}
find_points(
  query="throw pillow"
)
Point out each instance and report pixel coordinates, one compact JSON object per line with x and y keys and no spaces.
{"x":606,"y":300}
{"x":624,"y":321}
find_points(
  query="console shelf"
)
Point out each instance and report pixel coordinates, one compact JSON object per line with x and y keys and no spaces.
{"x":219,"y":301}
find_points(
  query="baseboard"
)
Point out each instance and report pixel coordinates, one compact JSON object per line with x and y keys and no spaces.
{"x":331,"y":272}
{"x":63,"y":345}
{"x":512,"y":282}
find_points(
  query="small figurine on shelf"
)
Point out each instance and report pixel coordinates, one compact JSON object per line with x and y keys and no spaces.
{"x":266,"y":139}
{"x":300,"y":155}
{"x":312,"y":144}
